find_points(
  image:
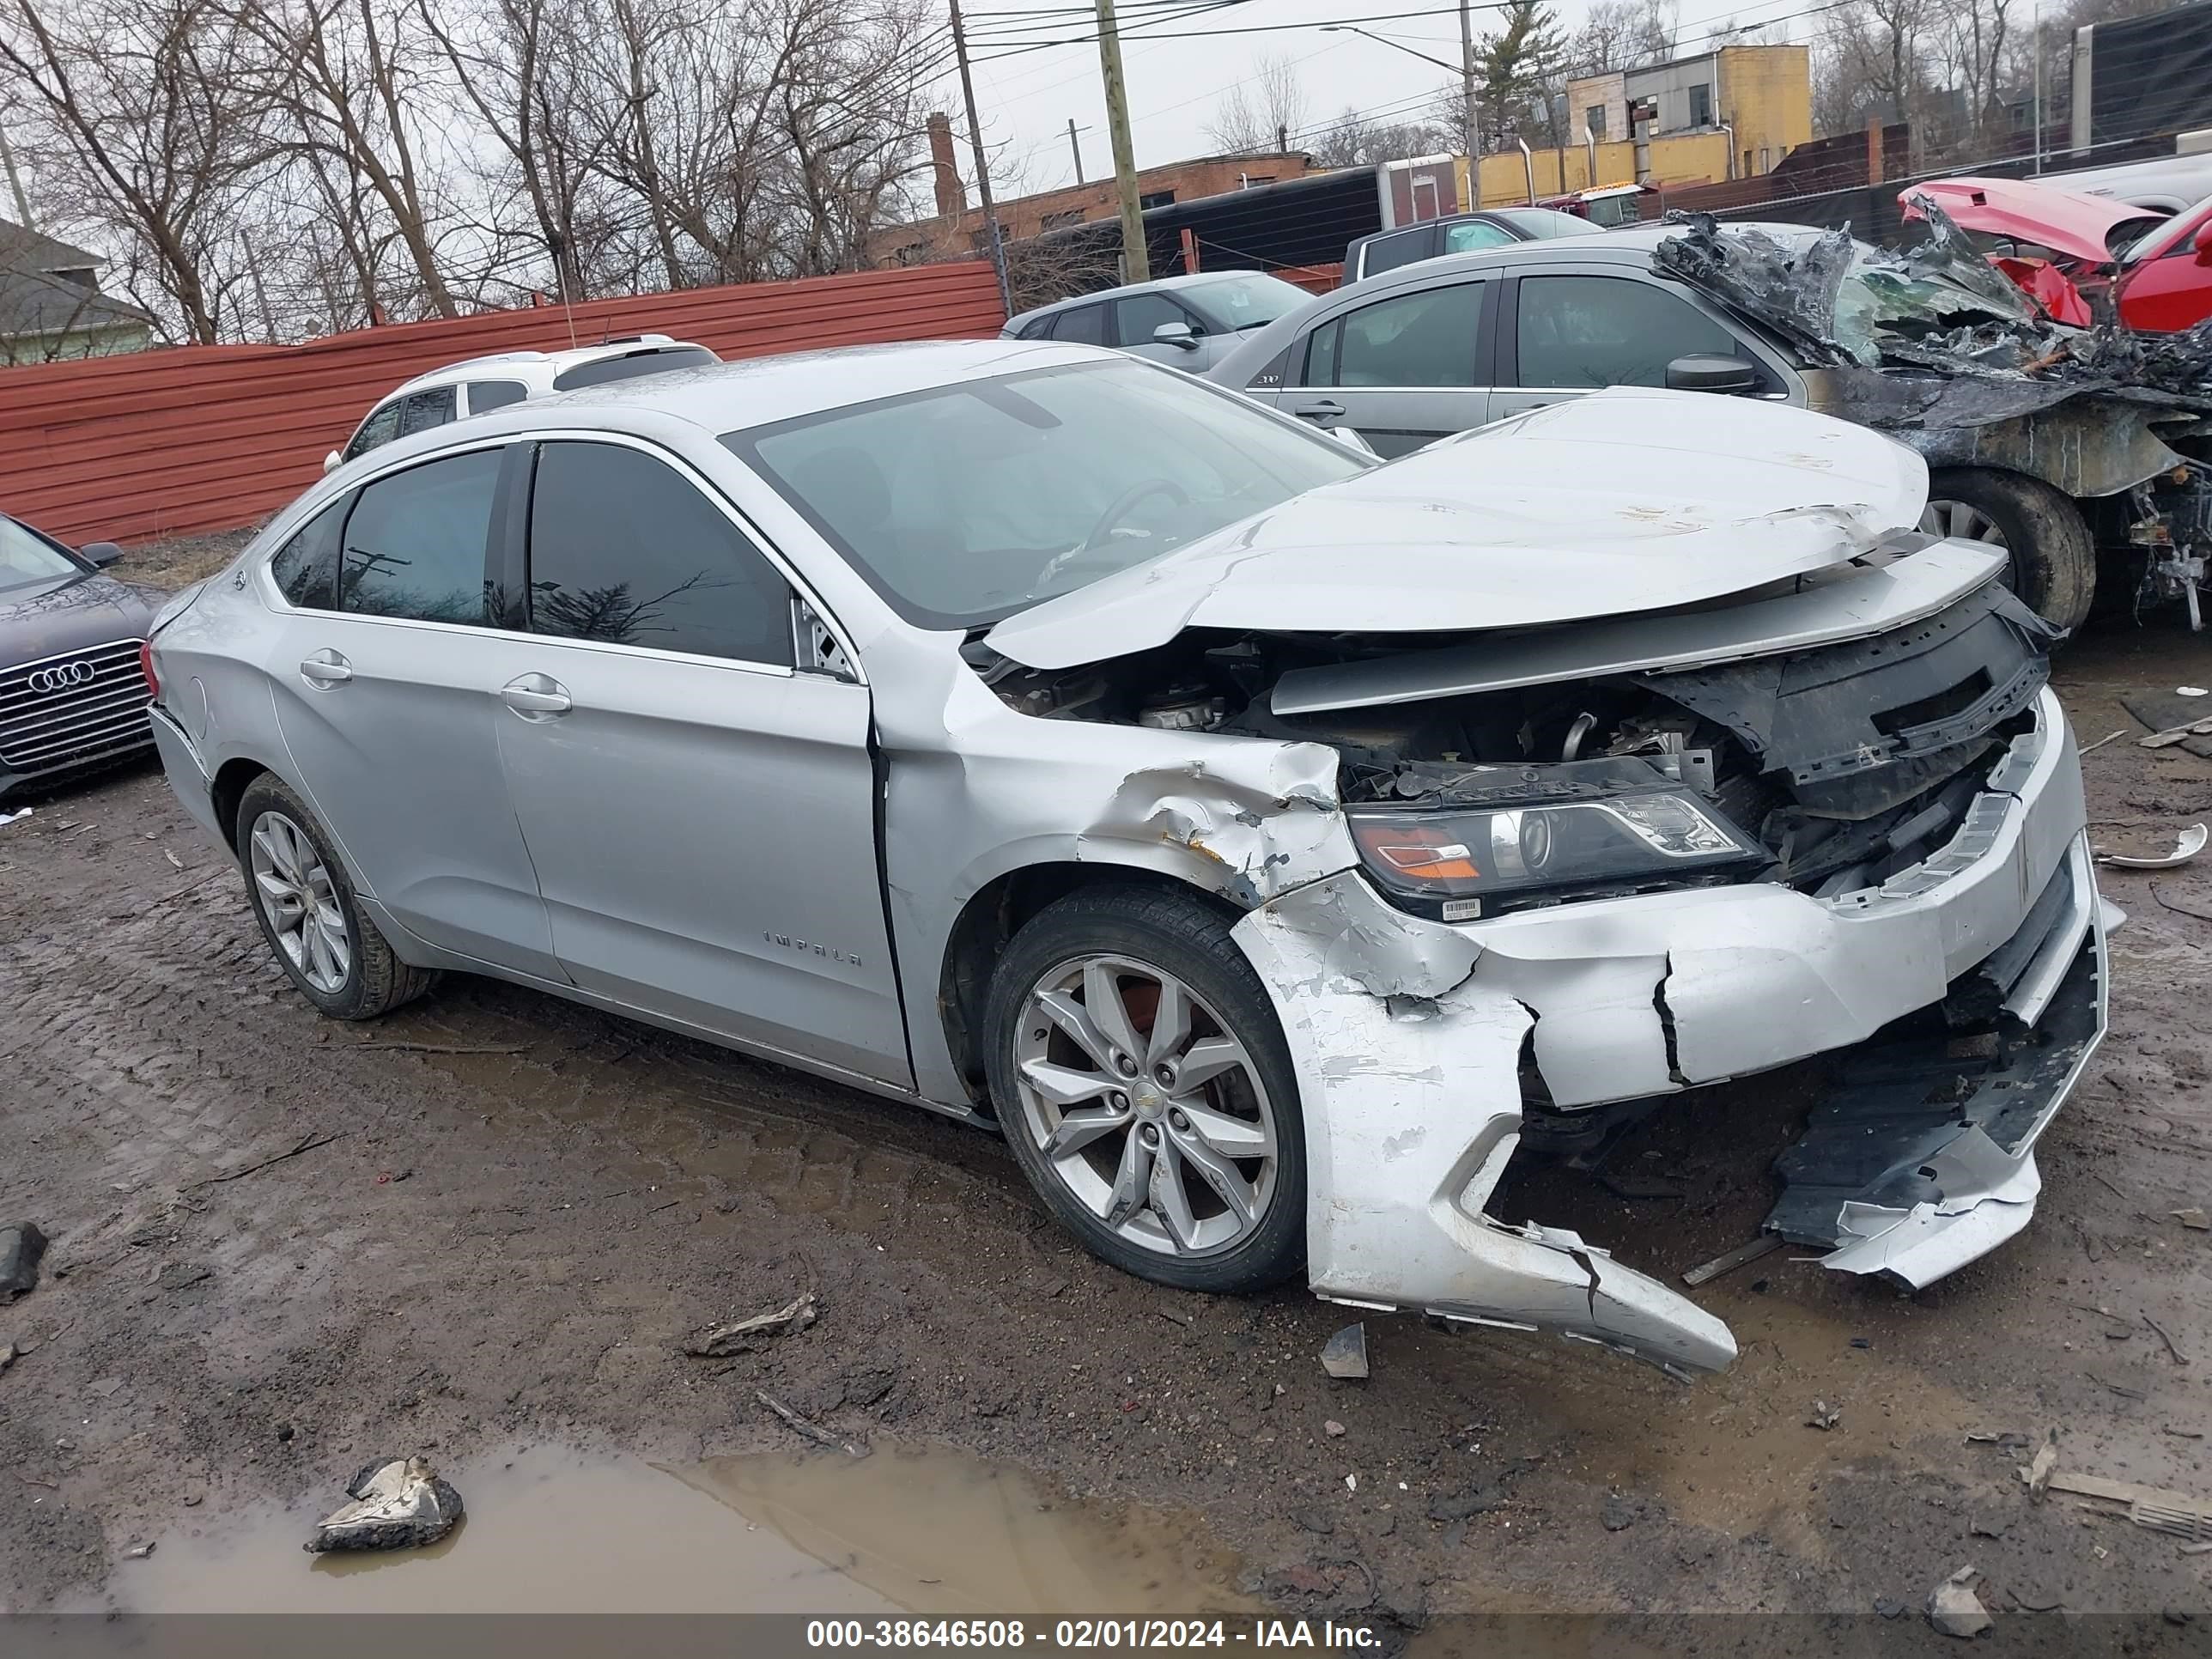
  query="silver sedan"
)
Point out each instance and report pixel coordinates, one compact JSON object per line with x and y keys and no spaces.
{"x":1267,"y":842}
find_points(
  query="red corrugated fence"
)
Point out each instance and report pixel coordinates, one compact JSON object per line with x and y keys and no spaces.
{"x":162,"y":443}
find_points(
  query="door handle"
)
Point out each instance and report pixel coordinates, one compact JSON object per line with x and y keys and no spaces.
{"x":325,"y":669}
{"x":536,"y":697}
{"x":1325,"y":406}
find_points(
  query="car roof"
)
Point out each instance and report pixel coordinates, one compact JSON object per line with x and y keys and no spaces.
{"x":540,"y":365}
{"x":1158,"y":284}
{"x":1629,"y":244}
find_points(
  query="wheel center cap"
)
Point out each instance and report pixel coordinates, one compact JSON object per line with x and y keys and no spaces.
{"x":1148,"y":1104}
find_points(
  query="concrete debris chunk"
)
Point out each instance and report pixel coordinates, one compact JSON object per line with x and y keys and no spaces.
{"x":397,"y":1504}
{"x":21,"y":1248}
{"x":1345,"y":1354}
{"x":1825,"y":1416}
{"x":2036,"y":1475}
{"x":721,"y":1341}
{"x":2194,"y":1218}
{"x":1953,"y":1609}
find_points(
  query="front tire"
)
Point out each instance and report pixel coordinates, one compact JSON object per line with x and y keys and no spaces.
{"x":1143,"y":1084}
{"x":2054,"y":558}
{"x":304,"y":902}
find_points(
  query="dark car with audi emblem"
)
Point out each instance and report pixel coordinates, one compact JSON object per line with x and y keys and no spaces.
{"x":73,"y":692}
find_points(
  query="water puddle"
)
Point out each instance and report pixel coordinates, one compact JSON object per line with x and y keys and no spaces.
{"x":924,"y":1530}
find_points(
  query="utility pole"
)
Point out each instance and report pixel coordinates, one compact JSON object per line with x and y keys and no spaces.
{"x":1136,"y":265}
{"x":982,"y":167}
{"x":1466,"y":98}
{"x":1076,"y":148}
{"x":15,"y":182}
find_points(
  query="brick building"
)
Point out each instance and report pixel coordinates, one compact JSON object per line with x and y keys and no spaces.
{"x":958,"y":228}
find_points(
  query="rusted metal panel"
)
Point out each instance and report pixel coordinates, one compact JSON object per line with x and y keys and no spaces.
{"x":1314,"y":279}
{"x":203,"y":438}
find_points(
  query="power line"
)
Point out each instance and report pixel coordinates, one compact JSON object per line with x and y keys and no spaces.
{"x":1271,"y":28}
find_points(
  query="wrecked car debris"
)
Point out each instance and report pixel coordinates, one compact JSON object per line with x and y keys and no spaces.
{"x":2186,"y":847}
{"x":1935,"y":347}
{"x":23,"y":1246}
{"x":721,"y":1341}
{"x":1345,"y":1354}
{"x":397,"y":1504}
{"x":1953,"y":1609}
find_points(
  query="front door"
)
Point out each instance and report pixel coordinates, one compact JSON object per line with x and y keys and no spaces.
{"x":383,"y":678}
{"x":701,"y":812}
{"x":1401,"y":372}
{"x":1576,"y":332}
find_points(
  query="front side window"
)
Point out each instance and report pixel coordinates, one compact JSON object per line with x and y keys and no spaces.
{"x":415,"y":542}
{"x":1138,"y":315}
{"x":427,"y":410}
{"x":625,"y":549}
{"x":306,"y":568}
{"x":1425,"y":338}
{"x":1603,"y":331}
{"x":1475,"y":233}
{"x":1250,"y":299}
{"x":963,"y":504}
{"x":379,"y":429}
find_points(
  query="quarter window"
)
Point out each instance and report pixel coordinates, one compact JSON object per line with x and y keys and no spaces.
{"x":623,"y":548}
{"x":1425,"y":338}
{"x":1603,"y":331}
{"x":306,"y":568}
{"x":414,"y":543}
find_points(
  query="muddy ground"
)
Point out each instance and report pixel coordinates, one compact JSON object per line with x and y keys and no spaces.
{"x":503,"y":1214}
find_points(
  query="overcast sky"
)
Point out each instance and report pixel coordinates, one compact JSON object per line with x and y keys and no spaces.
{"x":1026,"y":101}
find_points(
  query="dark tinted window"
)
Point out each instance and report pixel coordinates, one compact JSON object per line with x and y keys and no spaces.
{"x":1609,"y":331}
{"x":415,"y":545}
{"x":1389,"y":252}
{"x":426,"y":409}
{"x":307,"y":566}
{"x":380,"y":428}
{"x":1425,"y":338}
{"x":1138,"y":315}
{"x":1036,"y":328}
{"x":1084,"y":326}
{"x":623,"y":548}
{"x":485,"y":396}
{"x":652,"y":360}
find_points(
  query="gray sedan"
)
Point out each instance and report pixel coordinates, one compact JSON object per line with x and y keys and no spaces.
{"x":1268,"y":842}
{"x":1188,"y":322}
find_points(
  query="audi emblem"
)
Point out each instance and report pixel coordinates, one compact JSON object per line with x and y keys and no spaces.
{"x":61,"y":677}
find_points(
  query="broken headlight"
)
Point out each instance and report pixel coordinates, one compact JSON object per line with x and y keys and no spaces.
{"x":1459,"y":862}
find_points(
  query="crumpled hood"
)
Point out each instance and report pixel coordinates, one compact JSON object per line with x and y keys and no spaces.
{"x":2064,"y":220}
{"x":1626,"y":499}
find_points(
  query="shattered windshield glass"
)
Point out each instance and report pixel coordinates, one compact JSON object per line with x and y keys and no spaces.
{"x":1913,"y":295}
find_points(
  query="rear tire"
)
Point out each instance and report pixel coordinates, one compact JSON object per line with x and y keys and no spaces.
{"x":1143,"y":1084}
{"x":2054,"y":558}
{"x":304,"y":902}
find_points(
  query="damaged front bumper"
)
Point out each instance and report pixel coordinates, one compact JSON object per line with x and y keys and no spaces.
{"x":1410,"y":1037}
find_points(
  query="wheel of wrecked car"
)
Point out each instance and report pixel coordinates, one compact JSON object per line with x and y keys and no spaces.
{"x":2053,"y":558}
{"x":1143,"y":1083}
{"x":304,"y":903}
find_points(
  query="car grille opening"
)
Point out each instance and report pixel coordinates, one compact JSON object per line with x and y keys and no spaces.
{"x":80,"y":706}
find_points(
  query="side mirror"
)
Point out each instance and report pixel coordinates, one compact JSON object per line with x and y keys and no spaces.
{"x":1348,"y":435}
{"x":1176,"y":334}
{"x":333,"y":461}
{"x":100,"y":554}
{"x":2203,"y":243}
{"x":1704,"y":373}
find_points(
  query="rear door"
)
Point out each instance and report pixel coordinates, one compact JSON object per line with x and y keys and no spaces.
{"x":1576,"y":331}
{"x":699,"y":807}
{"x":1401,"y":371}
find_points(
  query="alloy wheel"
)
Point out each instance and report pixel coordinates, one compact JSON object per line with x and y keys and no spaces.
{"x":295,"y":893}
{"x":1962,"y":522}
{"x":1146,"y":1105}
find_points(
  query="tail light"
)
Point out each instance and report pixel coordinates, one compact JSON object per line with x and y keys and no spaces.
{"x":146,"y":667}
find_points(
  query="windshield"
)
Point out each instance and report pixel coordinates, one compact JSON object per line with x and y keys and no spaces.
{"x":25,"y":556}
{"x":1931,"y":287}
{"x":963,"y":504}
{"x":1241,"y":303}
{"x":1541,"y":224}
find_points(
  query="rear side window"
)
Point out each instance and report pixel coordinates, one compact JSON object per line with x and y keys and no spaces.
{"x":426,"y":409}
{"x":1389,"y":252}
{"x":623,"y":548}
{"x":605,"y":371}
{"x":1084,"y":326}
{"x":1425,"y":338}
{"x":485,"y":396}
{"x":379,"y":429}
{"x":305,"y":568}
{"x":415,"y":542}
{"x":1607,"y":330}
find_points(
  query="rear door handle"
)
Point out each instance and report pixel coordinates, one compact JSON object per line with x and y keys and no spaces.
{"x":536,"y":697}
{"x":325,"y":669}
{"x":1325,"y":406}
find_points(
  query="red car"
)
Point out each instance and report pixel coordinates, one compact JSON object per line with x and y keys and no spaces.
{"x":2159,"y":271}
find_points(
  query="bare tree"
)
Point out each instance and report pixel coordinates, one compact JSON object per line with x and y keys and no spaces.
{"x":1254,"y":113}
{"x":1621,"y":34}
{"x":1353,"y":140}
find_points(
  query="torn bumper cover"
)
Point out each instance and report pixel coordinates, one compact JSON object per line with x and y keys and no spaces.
{"x":1409,"y":1037}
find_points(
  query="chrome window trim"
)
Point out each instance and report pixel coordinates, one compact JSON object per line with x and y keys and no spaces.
{"x":274,"y":596}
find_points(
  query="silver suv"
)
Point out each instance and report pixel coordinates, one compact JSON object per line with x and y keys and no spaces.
{"x":1268,"y":842}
